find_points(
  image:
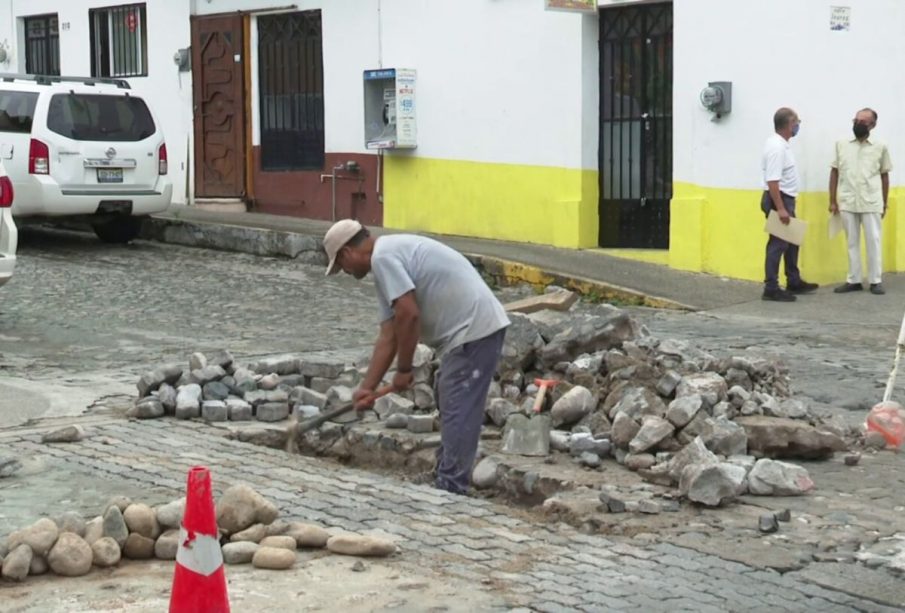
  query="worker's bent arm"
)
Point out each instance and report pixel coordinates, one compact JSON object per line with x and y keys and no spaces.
{"x":382,"y":357}
{"x":407,"y":325}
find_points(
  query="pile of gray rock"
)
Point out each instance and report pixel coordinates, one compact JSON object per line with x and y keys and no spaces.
{"x":249,"y":528}
{"x":713,"y":427}
{"x":654,"y":405}
{"x":217,"y":389}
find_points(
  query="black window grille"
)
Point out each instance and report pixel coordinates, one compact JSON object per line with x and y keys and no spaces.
{"x":119,"y":41}
{"x":42,"y":45}
{"x":291,"y":84}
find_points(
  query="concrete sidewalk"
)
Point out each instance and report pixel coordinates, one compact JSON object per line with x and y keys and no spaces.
{"x":610,"y":277}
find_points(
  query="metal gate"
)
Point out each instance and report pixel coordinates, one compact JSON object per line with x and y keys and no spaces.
{"x":635,"y":125}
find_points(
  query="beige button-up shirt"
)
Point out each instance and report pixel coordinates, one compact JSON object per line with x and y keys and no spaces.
{"x":860,"y":164}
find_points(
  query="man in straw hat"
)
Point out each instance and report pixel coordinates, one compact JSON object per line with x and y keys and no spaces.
{"x":428,"y":292}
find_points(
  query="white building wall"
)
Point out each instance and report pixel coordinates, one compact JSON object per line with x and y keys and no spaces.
{"x":167,"y":91}
{"x":497,"y":81}
{"x":781,"y":53}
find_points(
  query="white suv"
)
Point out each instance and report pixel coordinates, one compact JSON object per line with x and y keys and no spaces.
{"x":8,"y":233}
{"x":83,"y":147}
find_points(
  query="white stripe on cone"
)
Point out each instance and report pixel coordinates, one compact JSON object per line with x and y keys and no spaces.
{"x":199,"y":553}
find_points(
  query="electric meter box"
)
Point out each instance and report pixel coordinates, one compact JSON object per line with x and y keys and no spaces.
{"x":390,"y":109}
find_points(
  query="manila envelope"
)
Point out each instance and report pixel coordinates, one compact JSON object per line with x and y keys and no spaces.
{"x":792,"y":233}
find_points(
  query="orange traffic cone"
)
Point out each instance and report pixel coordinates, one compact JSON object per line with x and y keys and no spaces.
{"x":199,"y":583}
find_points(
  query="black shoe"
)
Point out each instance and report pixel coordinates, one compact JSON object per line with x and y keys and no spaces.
{"x":802,"y":287}
{"x":778,"y":295}
{"x":877,"y":288}
{"x":848,"y":287}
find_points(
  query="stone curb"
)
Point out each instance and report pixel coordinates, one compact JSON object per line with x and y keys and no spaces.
{"x":307,"y":248}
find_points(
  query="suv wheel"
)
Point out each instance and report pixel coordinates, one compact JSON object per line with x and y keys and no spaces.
{"x":118,"y":229}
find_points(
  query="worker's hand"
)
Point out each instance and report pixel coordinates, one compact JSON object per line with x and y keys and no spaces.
{"x":363,"y":398}
{"x":783,"y":216}
{"x":403,"y":381}
{"x":834,"y":208}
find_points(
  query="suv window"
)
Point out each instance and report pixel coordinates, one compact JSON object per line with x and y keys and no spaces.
{"x":100,"y":118}
{"x":17,"y":110}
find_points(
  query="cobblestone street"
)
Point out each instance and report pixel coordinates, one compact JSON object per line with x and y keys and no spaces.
{"x":81,"y":320}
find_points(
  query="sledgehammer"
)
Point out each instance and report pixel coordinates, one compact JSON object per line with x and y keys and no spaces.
{"x":314,"y":422}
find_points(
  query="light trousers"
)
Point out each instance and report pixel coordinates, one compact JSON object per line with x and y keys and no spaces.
{"x":872,"y":224}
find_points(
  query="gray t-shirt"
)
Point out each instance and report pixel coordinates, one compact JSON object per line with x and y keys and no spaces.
{"x":456,"y":305}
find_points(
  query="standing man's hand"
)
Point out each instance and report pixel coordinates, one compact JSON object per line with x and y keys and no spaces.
{"x":403,"y":380}
{"x":783,"y":216}
{"x":363,"y":398}
{"x":883,"y":215}
{"x":834,"y":208}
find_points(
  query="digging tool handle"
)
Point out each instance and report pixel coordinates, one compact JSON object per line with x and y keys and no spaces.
{"x":315,"y":422}
{"x":539,"y":399}
{"x":891,"y":382}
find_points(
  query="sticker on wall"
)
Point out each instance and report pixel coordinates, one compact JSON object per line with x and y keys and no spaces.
{"x":582,"y":6}
{"x":840,"y":18}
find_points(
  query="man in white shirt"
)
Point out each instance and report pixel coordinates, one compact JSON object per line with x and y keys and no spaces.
{"x":859,"y":191}
{"x":429,"y":292}
{"x":781,"y":182}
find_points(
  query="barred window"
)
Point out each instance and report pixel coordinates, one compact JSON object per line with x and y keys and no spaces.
{"x":42,"y":45}
{"x":290,"y":63}
{"x":119,"y":41}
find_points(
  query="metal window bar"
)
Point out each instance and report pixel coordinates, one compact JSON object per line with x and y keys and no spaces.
{"x":291,"y":91}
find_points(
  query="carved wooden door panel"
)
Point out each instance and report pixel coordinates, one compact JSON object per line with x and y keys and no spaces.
{"x":219,"y":109}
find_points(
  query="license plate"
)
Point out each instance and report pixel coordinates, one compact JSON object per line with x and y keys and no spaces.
{"x":109,"y":175}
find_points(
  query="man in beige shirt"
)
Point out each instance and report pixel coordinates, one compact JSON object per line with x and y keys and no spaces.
{"x":859,"y":191}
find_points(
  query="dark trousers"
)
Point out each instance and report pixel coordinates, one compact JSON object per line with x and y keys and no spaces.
{"x":461,"y":388}
{"x":779,"y":249}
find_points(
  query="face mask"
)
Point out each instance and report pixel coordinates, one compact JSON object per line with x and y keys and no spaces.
{"x":795,"y":129}
{"x":861,"y":130}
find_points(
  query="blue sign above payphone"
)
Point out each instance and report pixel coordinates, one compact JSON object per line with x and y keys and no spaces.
{"x":387,"y":73}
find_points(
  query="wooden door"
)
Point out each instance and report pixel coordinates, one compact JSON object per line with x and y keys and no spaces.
{"x":219,"y":108}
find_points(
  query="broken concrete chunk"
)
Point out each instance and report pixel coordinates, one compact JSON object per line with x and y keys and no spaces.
{"x":695,"y":452}
{"x":712,"y":484}
{"x":777,"y":437}
{"x":683,"y":409}
{"x":581,"y":443}
{"x":725,"y":437}
{"x":624,"y":429}
{"x":774,"y":478}
{"x":710,"y":386}
{"x":653,"y":430}
{"x":561,"y":300}
{"x":499,"y":410}
{"x":668,"y":383}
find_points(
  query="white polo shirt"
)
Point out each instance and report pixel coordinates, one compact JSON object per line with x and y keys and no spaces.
{"x":779,"y":165}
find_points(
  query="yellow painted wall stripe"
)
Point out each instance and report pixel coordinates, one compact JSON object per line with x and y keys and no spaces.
{"x":533,"y":204}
